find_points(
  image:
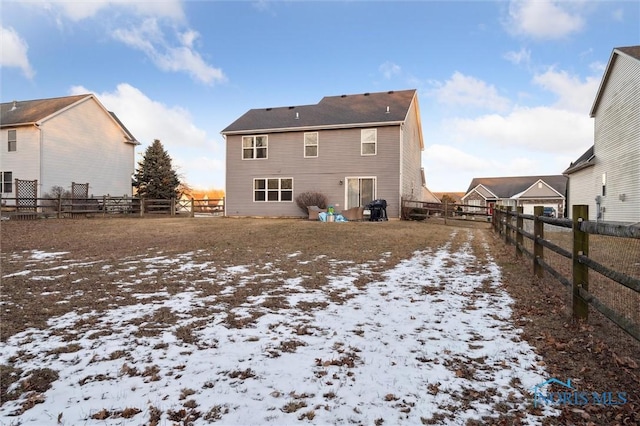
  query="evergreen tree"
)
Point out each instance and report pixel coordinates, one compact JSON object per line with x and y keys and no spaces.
{"x":155,"y":177}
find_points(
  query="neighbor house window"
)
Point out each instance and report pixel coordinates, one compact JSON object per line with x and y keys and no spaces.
{"x":368,"y":141}
{"x":273,"y":189}
{"x":604,"y":184}
{"x":311,"y":144}
{"x":254,"y":147}
{"x":6,"y":179}
{"x":13,"y":141}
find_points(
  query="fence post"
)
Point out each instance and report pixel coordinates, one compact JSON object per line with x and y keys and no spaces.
{"x":446,"y":211}
{"x":538,"y":233}
{"x":193,"y":204}
{"x":141,"y":206}
{"x":507,"y":222}
{"x":172,"y":208}
{"x":59,"y":212}
{"x":104,"y":205}
{"x":519,"y":225}
{"x":580,"y":307}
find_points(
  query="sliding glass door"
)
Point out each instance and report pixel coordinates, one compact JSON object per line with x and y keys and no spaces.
{"x":360,"y":191}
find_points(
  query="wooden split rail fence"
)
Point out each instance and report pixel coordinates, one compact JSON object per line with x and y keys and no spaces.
{"x":511,"y":225}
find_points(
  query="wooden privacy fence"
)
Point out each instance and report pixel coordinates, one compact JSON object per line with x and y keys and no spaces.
{"x":512,"y":226}
{"x":63,"y":207}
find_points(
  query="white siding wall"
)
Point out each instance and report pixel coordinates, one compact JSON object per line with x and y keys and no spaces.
{"x":24,"y":162}
{"x":411,"y":185}
{"x":84,"y":145}
{"x":582,"y":191}
{"x":617,"y":142}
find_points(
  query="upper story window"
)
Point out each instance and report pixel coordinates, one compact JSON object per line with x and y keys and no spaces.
{"x":13,"y":141}
{"x":368,"y":142}
{"x":604,"y":184}
{"x":254,"y":147}
{"x":6,"y":182}
{"x":311,"y":144}
{"x":274,"y":189}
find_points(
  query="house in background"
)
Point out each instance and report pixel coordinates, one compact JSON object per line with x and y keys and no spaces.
{"x":516,"y":191}
{"x":58,"y":141}
{"x":607,"y":176}
{"x":455,"y":197}
{"x":352,"y":148}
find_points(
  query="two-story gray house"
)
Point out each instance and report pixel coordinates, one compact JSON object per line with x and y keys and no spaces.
{"x":352,"y":148}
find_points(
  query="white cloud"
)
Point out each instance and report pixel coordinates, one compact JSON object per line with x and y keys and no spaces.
{"x":14,"y":51}
{"x":523,"y":56}
{"x":196,"y":157}
{"x":152,"y":27}
{"x":149,"y":38}
{"x":75,"y":10}
{"x":617,"y":15}
{"x":544,"y":19}
{"x":542,"y":129}
{"x":573,"y":93}
{"x":462,"y":90}
{"x":389,"y":69}
{"x":447,"y":157}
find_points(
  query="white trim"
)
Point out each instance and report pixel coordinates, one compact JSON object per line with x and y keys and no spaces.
{"x":254,"y":147}
{"x":317,"y":145}
{"x":309,"y":128}
{"x":363,"y":142}
{"x":266,"y":190}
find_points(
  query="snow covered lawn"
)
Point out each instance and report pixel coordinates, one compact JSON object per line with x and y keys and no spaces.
{"x":428,"y":341}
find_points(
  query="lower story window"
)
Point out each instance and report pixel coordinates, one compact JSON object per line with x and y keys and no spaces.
{"x":6,"y":179}
{"x":273,"y":189}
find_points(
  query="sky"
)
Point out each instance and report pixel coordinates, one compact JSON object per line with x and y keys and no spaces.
{"x":505,"y":87}
{"x":332,"y":354}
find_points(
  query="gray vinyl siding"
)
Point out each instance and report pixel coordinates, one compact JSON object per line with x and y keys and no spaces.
{"x":84,"y":145}
{"x":338,"y":157}
{"x":541,"y":190}
{"x":616,"y":148}
{"x":411,"y":187}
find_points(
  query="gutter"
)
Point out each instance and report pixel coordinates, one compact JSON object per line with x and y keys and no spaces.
{"x":318,"y":127}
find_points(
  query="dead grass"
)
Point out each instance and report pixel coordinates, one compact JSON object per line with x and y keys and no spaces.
{"x":297,"y":249}
{"x":595,"y":354}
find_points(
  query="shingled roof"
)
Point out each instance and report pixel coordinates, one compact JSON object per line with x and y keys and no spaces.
{"x":381,"y":108}
{"x":507,"y":187}
{"x":17,"y":113}
{"x":22,"y":113}
{"x":585,"y":160}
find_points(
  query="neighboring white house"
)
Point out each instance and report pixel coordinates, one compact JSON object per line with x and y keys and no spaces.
{"x":62,"y":140}
{"x":518,"y":191}
{"x":607,"y":176}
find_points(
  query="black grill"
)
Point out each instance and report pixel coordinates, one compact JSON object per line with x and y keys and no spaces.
{"x":378,"y":209}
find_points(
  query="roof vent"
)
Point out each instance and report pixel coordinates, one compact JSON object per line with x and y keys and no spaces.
{"x":291,"y":107}
{"x":15,"y":106}
{"x":387,"y":109}
{"x":390,"y":92}
{"x":297,"y":115}
{"x":343,"y":96}
{"x":367,"y":94}
{"x":269,"y":109}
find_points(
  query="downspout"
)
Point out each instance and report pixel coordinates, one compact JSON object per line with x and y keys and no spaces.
{"x":401,"y":138}
{"x":40,"y":166}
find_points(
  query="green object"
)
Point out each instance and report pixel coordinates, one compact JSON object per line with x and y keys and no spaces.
{"x":330,"y":210}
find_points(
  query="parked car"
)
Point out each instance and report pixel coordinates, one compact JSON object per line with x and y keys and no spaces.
{"x":549,"y":212}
